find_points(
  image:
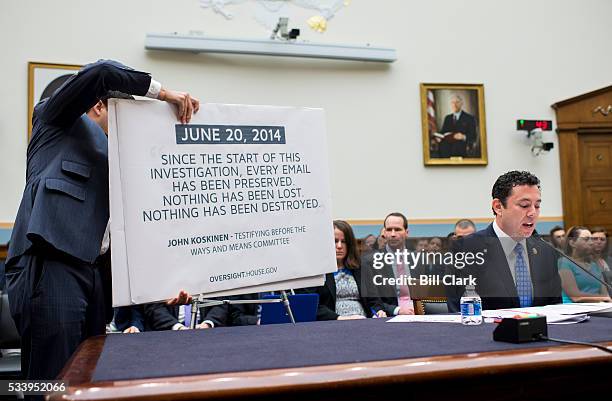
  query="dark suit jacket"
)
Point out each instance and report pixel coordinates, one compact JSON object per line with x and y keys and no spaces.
{"x":466,"y":125}
{"x":327,"y":297}
{"x":494,"y":282}
{"x":245,"y":314}
{"x":233,"y":315}
{"x":386,"y":293}
{"x":159,"y":316}
{"x":2,"y":279}
{"x":65,"y":201}
{"x":429,"y":270}
{"x":218,"y":314}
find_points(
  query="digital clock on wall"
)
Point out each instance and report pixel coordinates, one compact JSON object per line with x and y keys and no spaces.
{"x":530,"y":125}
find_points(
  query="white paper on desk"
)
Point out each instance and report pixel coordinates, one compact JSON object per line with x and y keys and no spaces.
{"x":503,"y":313}
{"x":566,"y":319}
{"x":426,"y":319}
{"x":579,"y":308}
{"x":553,"y":316}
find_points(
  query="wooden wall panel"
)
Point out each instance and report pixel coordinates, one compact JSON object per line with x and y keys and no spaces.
{"x":570,"y":179}
{"x":596,"y":156}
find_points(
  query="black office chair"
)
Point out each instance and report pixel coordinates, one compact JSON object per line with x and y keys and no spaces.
{"x":10,"y":351}
{"x":429,"y":299}
{"x":430,"y":306}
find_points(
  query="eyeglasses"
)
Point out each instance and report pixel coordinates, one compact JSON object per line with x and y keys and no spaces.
{"x":593,"y":239}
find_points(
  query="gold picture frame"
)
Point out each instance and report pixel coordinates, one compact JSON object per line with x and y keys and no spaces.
{"x":453,"y":124}
{"x":43,"y":79}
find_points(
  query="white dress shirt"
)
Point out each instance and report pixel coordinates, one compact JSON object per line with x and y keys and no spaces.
{"x":508,"y":244}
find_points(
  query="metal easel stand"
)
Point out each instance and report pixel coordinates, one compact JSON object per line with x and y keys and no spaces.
{"x":199,"y":301}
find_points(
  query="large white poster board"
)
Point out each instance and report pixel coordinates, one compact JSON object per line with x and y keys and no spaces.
{"x":237,"y":198}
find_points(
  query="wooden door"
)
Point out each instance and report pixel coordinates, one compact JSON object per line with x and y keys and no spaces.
{"x":596,"y":178}
{"x":585,"y":154}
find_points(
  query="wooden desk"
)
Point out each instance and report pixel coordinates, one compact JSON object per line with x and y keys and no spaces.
{"x":554,"y":373}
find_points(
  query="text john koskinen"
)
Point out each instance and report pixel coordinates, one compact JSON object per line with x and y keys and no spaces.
{"x":204,"y":239}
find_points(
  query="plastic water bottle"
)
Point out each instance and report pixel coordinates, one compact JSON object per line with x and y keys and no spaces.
{"x":471,"y":307}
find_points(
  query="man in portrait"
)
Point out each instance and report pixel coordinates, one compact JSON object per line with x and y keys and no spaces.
{"x":458,"y":134}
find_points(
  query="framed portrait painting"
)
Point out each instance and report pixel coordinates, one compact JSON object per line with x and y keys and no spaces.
{"x":43,"y":80}
{"x":453,"y":121}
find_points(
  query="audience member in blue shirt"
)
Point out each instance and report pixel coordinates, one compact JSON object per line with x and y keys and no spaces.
{"x":579,"y":286}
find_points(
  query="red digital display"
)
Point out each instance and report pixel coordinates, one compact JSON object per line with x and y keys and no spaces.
{"x":529,"y":125}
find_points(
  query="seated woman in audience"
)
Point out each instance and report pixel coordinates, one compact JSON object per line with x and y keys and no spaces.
{"x":341,"y":297}
{"x":579,"y":286}
{"x":601,"y":253}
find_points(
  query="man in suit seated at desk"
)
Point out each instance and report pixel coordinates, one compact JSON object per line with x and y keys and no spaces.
{"x":511,"y":266}
{"x":395,"y":298}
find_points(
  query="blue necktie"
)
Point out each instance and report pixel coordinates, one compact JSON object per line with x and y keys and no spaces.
{"x":523,"y":279}
{"x":187,"y":315}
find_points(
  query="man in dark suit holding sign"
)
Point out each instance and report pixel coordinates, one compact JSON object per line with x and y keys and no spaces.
{"x":517,"y":269}
{"x":54,"y":270}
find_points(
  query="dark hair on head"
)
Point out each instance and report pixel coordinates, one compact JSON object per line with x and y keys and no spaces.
{"x":115,"y":95}
{"x":600,"y":229}
{"x":397,"y":214}
{"x":504,"y":184}
{"x":555,"y":229}
{"x":572,"y":234}
{"x":465,"y":223}
{"x":352,"y":250}
{"x":553,"y":240}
